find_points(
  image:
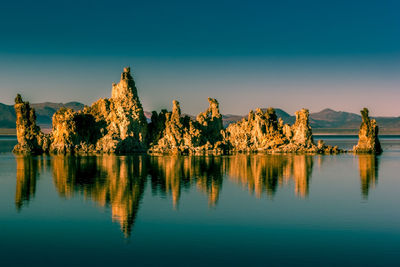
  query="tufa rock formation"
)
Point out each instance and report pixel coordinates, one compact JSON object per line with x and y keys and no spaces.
{"x":262,"y":131}
{"x":210,"y":122}
{"x":31,"y":140}
{"x":118,"y":125}
{"x":173,"y":133}
{"x":124,"y":124}
{"x":368,"y":141}
{"x":126,"y":129}
{"x":115,"y":125}
{"x":301,"y":133}
{"x":73,"y":132}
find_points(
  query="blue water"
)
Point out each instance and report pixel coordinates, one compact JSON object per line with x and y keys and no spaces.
{"x":268,"y":210}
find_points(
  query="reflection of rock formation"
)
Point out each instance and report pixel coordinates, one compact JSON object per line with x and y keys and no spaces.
{"x":260,"y":173}
{"x":27,"y":174}
{"x":172,"y":174}
{"x":368,"y":166}
{"x":117,"y":182}
{"x":209,"y":175}
{"x":301,"y":167}
{"x":265,"y":173}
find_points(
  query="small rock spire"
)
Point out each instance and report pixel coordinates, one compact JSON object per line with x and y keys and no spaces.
{"x":126,"y":87}
{"x":126,"y":74}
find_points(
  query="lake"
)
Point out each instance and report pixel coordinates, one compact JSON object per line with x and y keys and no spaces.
{"x":268,"y":210}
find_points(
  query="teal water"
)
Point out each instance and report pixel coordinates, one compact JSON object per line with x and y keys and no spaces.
{"x":268,"y":210}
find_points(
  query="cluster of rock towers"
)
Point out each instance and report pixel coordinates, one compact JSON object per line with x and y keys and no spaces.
{"x":118,"y":125}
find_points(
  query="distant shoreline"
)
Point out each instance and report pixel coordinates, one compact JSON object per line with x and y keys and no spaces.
{"x":7,"y":131}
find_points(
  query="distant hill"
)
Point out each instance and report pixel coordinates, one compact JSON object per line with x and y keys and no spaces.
{"x":7,"y":116}
{"x":230,"y":118}
{"x":329,"y":118}
{"x":324,"y":121}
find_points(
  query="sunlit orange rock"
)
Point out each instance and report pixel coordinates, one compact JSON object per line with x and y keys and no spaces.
{"x":368,"y":141}
{"x":31,"y":140}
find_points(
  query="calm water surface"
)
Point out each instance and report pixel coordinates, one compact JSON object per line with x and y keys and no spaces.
{"x":268,"y":210}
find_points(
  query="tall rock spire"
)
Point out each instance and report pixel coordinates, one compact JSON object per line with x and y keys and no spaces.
{"x":124,"y":115}
{"x":301,"y":129}
{"x":368,"y":141}
{"x":115,"y":125}
{"x":31,"y":140}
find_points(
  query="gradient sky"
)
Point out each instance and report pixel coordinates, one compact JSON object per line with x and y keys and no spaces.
{"x":288,"y":54}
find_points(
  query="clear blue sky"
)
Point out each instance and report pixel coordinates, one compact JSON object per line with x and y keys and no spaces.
{"x":288,"y":54}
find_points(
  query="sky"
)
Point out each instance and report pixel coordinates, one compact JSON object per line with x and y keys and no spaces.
{"x":286,"y":54}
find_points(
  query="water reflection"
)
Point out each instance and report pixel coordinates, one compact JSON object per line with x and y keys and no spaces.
{"x":169,"y":174}
{"x":265,"y":173}
{"x":119,"y":182}
{"x":28,"y":170}
{"x":368,"y":166}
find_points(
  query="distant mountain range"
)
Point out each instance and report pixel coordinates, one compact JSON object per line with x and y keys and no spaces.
{"x":325,"y":121}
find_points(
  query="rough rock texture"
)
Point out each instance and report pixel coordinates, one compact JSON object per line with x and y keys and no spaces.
{"x":260,"y":131}
{"x":31,"y":140}
{"x":123,"y":117}
{"x":368,"y":141}
{"x":115,"y":125}
{"x":73,"y":132}
{"x":173,"y":133}
{"x":118,"y":125}
{"x":210,"y":122}
{"x":264,"y":132}
{"x":301,"y":129}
